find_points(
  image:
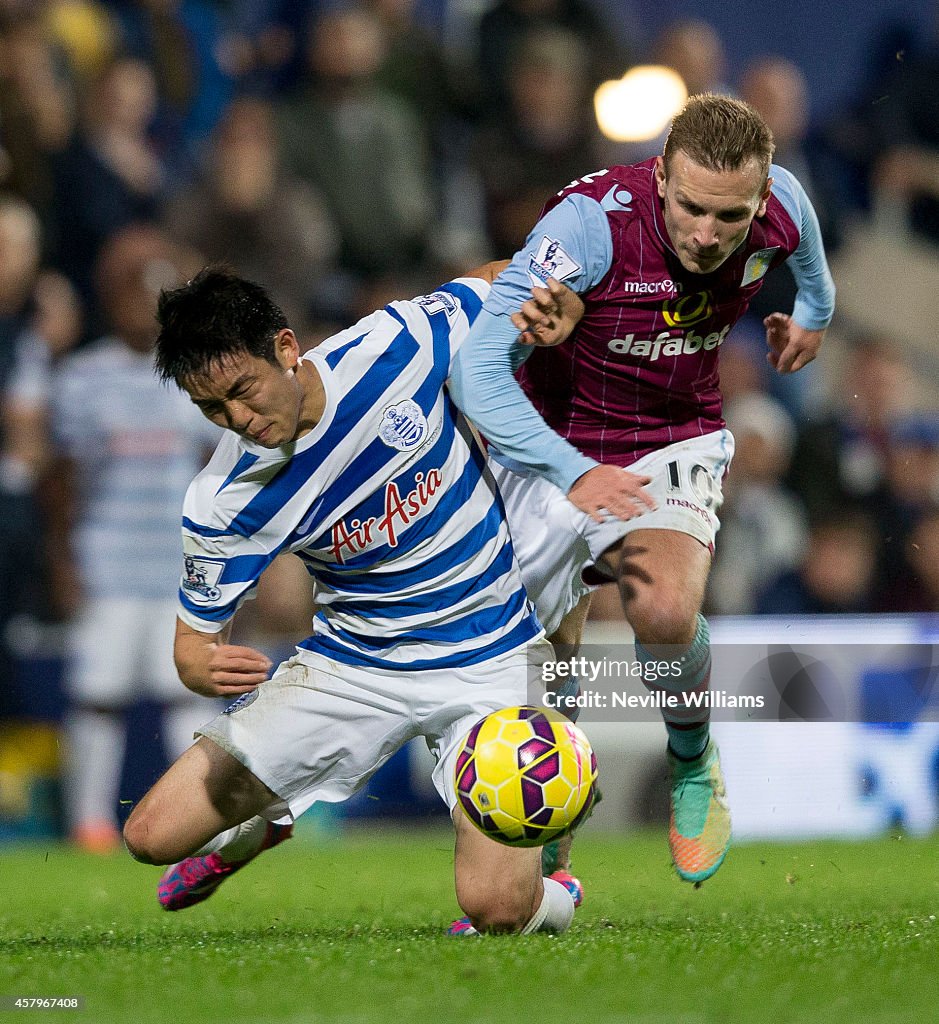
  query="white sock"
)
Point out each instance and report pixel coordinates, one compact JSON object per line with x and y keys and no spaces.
{"x":556,"y":911}
{"x":95,"y":761}
{"x":237,"y":843}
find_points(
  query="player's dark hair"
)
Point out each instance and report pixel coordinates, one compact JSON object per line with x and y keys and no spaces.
{"x":215,"y":315}
{"x":720,"y":133}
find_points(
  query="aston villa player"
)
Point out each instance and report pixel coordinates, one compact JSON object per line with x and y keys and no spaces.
{"x":610,"y":448}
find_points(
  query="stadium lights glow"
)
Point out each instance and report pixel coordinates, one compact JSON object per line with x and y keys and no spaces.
{"x":638,"y":106}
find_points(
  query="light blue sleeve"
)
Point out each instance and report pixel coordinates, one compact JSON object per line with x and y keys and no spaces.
{"x":815,"y":299}
{"x":571,"y":243}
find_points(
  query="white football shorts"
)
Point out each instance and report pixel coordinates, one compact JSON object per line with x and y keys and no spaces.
{"x":555,"y":542}
{"x":121,"y":649}
{"x":319,"y":729}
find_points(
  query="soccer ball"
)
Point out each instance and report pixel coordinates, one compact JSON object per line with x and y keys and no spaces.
{"x":525,"y":776}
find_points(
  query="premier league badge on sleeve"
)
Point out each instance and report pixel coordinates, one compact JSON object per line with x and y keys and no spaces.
{"x":403,"y":426}
{"x":438,"y":302}
{"x":200,"y":579}
{"x":550,"y":261}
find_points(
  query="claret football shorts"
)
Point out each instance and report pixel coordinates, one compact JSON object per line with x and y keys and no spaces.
{"x":555,"y":542}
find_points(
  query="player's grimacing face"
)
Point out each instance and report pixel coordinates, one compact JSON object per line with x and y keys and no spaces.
{"x":258,"y":400}
{"x":708,"y":213}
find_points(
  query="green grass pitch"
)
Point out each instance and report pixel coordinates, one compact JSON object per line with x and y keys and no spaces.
{"x":351,"y":930}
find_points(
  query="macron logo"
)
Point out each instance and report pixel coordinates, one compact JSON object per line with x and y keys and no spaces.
{"x":649,"y":287}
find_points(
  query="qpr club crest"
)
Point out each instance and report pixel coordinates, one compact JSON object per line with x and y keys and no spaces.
{"x":403,"y":426}
{"x":200,"y":576}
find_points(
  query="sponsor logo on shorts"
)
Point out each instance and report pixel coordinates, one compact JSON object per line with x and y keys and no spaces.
{"x":690,"y":505}
{"x":242,"y":702}
{"x":551,"y":261}
{"x":667,"y":344}
{"x":403,"y":426}
{"x":200,"y":576}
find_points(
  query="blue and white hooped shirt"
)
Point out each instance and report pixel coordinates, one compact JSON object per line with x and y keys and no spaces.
{"x":387,"y":501}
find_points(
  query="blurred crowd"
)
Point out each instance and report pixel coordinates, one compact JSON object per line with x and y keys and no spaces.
{"x":346,"y":154}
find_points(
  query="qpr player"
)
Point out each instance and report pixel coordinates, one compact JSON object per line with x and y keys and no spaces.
{"x":353,"y":457}
{"x":610,"y":449}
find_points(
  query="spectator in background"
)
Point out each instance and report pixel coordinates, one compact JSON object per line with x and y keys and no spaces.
{"x":360,"y":148}
{"x":837,"y":573}
{"x":542,"y":139}
{"x":694,"y":48}
{"x":40,"y":321}
{"x":743,"y":365}
{"x":86,"y":32}
{"x":504,"y":27}
{"x":763,"y":530}
{"x":442,"y":92}
{"x":249,"y":211}
{"x":417,"y":70}
{"x":917,"y":587}
{"x":845,"y":146}
{"x":777,"y":88}
{"x":126,"y":450}
{"x":21,"y":250}
{"x":262,"y":47}
{"x":37,"y":107}
{"x":23,"y":448}
{"x":840,"y":458}
{"x":111,"y":175}
{"x":181,"y":41}
{"x":904,"y":124}
{"x":910,"y":490}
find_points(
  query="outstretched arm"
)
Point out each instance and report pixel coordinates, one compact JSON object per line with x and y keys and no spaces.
{"x":794,"y":341}
{"x":549,"y":317}
{"x":574,"y":238}
{"x":483,"y":381}
{"x":791,"y":346}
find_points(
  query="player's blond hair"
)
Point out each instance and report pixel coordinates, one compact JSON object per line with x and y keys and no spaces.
{"x":720,"y":133}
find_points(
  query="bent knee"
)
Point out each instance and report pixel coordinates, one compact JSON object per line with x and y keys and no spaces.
{"x":146,"y":841}
{"x":662,"y":617}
